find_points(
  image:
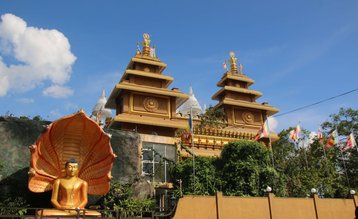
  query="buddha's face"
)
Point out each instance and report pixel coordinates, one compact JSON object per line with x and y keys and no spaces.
{"x":71,"y":169}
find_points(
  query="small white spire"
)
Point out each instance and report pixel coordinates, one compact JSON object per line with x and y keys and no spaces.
{"x":191,"y":104}
{"x":99,"y":107}
{"x":191,"y":90}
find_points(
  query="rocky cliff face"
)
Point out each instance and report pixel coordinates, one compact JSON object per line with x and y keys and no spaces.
{"x":125,"y":145}
{"x":15,"y":136}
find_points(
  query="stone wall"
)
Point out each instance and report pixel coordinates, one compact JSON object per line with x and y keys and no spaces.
{"x":16,"y":135}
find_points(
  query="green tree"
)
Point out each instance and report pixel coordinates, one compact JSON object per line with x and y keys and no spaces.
{"x":283,"y":153}
{"x":37,"y":118}
{"x":346,"y":122}
{"x":120,"y":198}
{"x":206,"y":180}
{"x":13,"y":206}
{"x":246,"y":168}
{"x":308,"y":165}
{"x":213,"y":118}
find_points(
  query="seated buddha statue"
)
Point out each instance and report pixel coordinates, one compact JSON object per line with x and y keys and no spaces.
{"x":73,"y":157}
{"x":69,"y":194}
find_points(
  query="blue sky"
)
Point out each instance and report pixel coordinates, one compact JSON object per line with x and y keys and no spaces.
{"x":298,"y":52}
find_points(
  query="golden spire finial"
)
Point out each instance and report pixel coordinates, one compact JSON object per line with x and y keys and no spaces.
{"x":233,"y":61}
{"x":146,"y":44}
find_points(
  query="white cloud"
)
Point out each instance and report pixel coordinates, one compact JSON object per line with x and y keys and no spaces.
{"x":41,"y":55}
{"x":57,"y":91}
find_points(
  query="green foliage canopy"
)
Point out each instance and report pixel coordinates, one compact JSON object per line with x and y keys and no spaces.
{"x":244,"y":169}
{"x":120,"y":198}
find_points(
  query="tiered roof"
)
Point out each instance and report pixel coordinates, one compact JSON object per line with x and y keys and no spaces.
{"x":235,"y":90}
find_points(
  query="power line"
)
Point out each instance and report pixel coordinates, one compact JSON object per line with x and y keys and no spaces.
{"x":316,"y":103}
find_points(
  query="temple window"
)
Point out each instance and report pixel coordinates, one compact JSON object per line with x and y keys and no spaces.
{"x":157,"y":161}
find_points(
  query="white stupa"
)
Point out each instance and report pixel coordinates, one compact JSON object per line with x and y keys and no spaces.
{"x":192,"y":103}
{"x":99,"y":110}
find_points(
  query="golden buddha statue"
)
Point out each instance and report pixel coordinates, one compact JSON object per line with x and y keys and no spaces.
{"x":72,"y":157}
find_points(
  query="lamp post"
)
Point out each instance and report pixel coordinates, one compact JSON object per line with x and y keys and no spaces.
{"x":353,"y":195}
{"x":315,"y":199}
{"x":181,"y":187}
{"x":313,"y":191}
{"x":270,"y":196}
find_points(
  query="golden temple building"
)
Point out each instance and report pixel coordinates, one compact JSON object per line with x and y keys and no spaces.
{"x":144,"y":104}
{"x":243,"y":115}
{"x":142,"y":99}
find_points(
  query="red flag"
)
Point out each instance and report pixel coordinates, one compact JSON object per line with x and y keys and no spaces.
{"x":351,"y":142}
{"x":263,"y":131}
{"x":332,"y":140}
{"x":292,"y":135}
{"x":295,"y":134}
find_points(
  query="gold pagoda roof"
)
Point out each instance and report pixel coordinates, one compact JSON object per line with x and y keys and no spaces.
{"x":181,"y":97}
{"x":257,"y":94}
{"x":163,"y":122}
{"x":168,"y":80}
{"x":236,"y":77}
{"x":147,"y":60}
{"x":270,"y":109}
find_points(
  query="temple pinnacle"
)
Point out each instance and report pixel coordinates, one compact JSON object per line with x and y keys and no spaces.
{"x":233,"y":61}
{"x":146,"y":44}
